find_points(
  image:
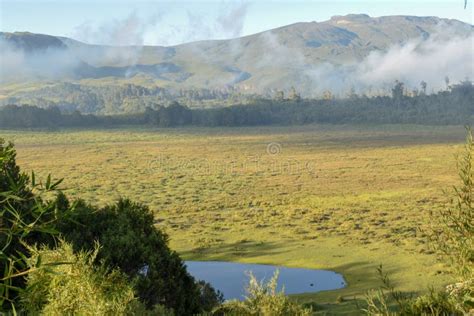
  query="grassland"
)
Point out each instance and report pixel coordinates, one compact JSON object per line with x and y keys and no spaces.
{"x":344,"y":198}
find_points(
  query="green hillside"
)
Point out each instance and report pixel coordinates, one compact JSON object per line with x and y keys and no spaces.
{"x":309,"y":56}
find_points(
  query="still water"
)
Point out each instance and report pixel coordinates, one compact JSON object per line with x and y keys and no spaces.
{"x":231,"y":278}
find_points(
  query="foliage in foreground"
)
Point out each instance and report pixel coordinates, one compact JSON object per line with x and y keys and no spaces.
{"x":379,"y":302}
{"x":131,"y":243}
{"x":263,"y":299}
{"x":73,"y":285}
{"x":25,"y":218}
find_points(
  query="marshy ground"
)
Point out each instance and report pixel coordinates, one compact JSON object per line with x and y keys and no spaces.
{"x":342,"y":198}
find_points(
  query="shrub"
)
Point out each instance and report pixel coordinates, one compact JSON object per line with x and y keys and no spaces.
{"x":462,"y":294}
{"x":209,"y":298}
{"x":434,"y":303}
{"x":379,"y":302}
{"x":72,"y":285}
{"x":263,"y":299}
{"x":131,"y":243}
{"x":25,"y":217}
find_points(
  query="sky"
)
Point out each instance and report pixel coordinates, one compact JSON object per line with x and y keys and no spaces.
{"x":156,"y":22}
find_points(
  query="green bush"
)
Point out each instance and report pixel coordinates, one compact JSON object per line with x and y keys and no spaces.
{"x":263,"y":299}
{"x":131,"y":243}
{"x":26,"y":217}
{"x":434,"y":303}
{"x":72,"y":285}
{"x":462,"y":294}
{"x":388,"y":301}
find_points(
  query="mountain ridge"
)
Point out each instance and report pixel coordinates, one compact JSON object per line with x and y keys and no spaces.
{"x":290,"y":55}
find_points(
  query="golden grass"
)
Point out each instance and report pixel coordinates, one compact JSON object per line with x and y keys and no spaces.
{"x":345,"y":198}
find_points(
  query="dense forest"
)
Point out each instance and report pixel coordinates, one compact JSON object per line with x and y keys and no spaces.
{"x":126,"y":98}
{"x":453,"y":106}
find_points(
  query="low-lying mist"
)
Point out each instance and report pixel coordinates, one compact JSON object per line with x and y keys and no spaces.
{"x":433,"y":61}
{"x":16,"y":64}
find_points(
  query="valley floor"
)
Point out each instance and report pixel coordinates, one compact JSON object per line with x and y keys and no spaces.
{"x":343,"y":198}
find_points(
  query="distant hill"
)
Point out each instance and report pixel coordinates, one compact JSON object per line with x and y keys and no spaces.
{"x":32,"y":43}
{"x":295,"y":55}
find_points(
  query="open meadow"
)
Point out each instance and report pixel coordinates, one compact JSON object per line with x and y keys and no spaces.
{"x":342,"y":198}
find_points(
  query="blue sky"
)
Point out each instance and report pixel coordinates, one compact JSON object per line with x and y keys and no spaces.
{"x":173,"y":22}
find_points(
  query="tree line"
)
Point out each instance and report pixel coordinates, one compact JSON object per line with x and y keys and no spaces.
{"x":453,"y":106}
{"x":127,"y":98}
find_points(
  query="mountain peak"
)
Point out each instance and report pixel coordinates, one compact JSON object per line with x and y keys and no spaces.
{"x":31,"y":42}
{"x":351,"y":17}
{"x":298,"y":54}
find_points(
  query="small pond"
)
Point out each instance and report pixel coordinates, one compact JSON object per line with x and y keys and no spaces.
{"x":231,"y":278}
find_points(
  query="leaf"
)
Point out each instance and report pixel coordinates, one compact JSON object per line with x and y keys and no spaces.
{"x":57,"y":183}
{"x":14,"y":309}
{"x":48,"y":182}
{"x":38,"y":261}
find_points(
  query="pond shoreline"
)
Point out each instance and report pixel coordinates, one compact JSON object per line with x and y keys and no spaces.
{"x":231,"y":278}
